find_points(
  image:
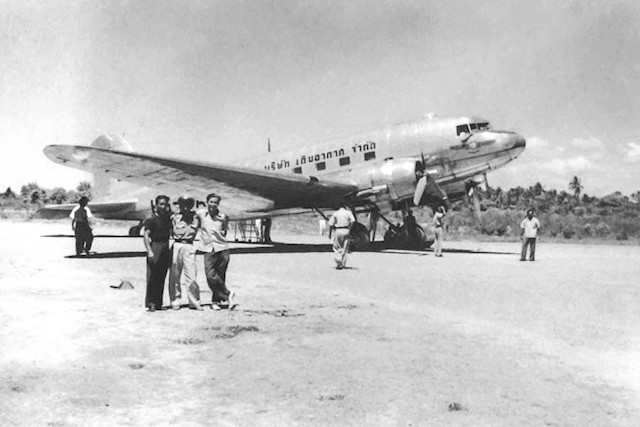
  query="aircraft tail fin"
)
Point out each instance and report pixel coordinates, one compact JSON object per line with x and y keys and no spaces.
{"x":103,"y":185}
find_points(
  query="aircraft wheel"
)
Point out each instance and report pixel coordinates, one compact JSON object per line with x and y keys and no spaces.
{"x":418,"y":238}
{"x":359,"y":237}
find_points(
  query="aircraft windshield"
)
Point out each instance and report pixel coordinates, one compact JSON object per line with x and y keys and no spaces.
{"x":472,"y":127}
{"x":462,"y":129}
{"x":480,"y":126}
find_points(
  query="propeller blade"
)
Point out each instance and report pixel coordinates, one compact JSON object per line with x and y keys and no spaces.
{"x":420,"y":187}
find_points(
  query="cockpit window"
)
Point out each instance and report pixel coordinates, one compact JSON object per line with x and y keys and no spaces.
{"x":474,"y":127}
{"x":462,"y":128}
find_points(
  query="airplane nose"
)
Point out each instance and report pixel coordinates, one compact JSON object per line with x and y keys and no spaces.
{"x":519,"y":141}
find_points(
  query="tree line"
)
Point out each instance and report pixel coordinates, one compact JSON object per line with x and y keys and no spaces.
{"x":567,"y":214}
{"x":32,"y":195}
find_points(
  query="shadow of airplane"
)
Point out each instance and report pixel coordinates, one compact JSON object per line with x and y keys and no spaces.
{"x":288,"y":248}
{"x":101,"y":236}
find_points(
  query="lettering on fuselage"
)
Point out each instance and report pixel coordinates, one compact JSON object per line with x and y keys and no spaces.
{"x":305,"y":159}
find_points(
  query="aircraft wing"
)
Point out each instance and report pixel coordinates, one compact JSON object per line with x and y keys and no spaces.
{"x":249,"y":190}
{"x":125,"y":210}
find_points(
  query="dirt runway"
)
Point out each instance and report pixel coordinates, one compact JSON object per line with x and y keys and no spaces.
{"x":394,"y":340}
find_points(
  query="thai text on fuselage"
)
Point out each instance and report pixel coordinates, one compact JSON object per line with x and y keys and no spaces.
{"x":318,"y":157}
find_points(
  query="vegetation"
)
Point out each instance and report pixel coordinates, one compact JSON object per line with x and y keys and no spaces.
{"x":563,"y":215}
{"x":32,"y":197}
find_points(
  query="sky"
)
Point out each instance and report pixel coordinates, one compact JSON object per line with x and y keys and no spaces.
{"x":212,"y":80}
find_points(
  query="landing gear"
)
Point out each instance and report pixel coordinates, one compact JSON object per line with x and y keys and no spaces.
{"x":359,"y":237}
{"x":135,"y":230}
{"x":409,"y":235}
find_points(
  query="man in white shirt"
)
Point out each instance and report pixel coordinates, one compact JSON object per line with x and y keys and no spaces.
{"x":185,"y":225}
{"x":438,"y":229}
{"x":81,"y":219}
{"x":213,"y":231}
{"x":529,"y":228}
{"x":339,"y":226}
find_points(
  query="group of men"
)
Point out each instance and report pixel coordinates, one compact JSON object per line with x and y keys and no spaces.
{"x":209,"y":225}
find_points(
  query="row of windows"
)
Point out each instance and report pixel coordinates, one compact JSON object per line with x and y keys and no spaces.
{"x":343,"y":161}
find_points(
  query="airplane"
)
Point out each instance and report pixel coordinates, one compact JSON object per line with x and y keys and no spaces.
{"x":431,"y":161}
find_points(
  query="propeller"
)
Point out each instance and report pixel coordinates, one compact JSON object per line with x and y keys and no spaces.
{"x":421,"y":185}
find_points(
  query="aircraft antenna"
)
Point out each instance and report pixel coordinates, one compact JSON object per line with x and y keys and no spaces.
{"x":268,"y":145}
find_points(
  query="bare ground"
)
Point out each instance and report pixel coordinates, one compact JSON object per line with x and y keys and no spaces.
{"x":395,"y":340}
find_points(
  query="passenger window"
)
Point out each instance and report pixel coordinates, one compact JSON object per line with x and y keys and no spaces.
{"x":344,"y":161}
{"x":321,"y":166}
{"x":297,"y":170}
{"x":369,"y":155}
{"x":462,"y":128}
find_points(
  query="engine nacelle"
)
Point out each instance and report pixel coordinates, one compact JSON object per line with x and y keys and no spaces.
{"x":399,"y":177}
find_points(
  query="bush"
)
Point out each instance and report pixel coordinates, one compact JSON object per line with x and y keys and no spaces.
{"x":494,"y":222}
{"x":579,"y":211}
{"x":568,"y":231}
{"x":622,"y":236}
{"x":602,"y":229}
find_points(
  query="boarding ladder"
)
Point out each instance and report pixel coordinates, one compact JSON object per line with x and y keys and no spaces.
{"x":246,"y":231}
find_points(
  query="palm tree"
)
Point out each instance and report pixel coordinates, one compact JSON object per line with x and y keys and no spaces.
{"x":576,"y":186}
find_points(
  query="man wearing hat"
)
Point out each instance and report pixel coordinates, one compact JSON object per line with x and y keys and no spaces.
{"x":81,"y":218}
{"x":529,"y":228}
{"x":185,"y":226}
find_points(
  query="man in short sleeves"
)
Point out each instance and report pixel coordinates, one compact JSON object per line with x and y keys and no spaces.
{"x":339,"y":227}
{"x":212,"y":241}
{"x":157,"y":230}
{"x":81,"y":218}
{"x":529,"y":228}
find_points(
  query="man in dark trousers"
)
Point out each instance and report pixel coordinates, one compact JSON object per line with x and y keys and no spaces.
{"x":157,"y":230}
{"x":213,"y":231}
{"x":81,"y":218}
{"x":529,"y":228}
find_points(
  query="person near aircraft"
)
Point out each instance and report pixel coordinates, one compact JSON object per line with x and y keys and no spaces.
{"x":157,"y":230}
{"x":529,"y":228}
{"x":212,"y":241}
{"x":339,"y":226}
{"x":438,"y":228}
{"x":81,"y":219}
{"x":265,"y":229}
{"x":185,"y":225}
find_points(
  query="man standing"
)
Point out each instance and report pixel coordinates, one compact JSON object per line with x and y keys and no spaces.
{"x":438,"y":228}
{"x":213,"y":231}
{"x":339,"y":226}
{"x":185,"y":225}
{"x":81,"y":218}
{"x":156,"y":240}
{"x":529,"y":228}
